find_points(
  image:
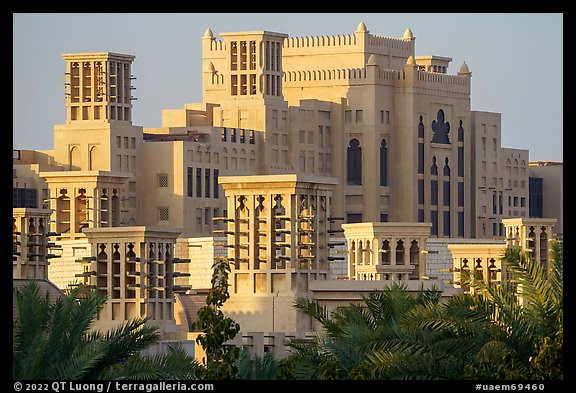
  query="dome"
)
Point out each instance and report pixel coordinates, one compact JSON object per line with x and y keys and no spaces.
{"x":464,"y":69}
{"x":371,"y":60}
{"x":208,"y":33}
{"x":361,"y":28}
{"x":408,"y":35}
{"x":210,"y":67}
{"x":411,"y":61}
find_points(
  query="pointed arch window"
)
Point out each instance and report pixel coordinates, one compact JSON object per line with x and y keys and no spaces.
{"x":354,"y":163}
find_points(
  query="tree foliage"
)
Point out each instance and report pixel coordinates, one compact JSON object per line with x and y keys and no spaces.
{"x":220,"y":358}
{"x":489,"y":334}
{"x":55,"y":342}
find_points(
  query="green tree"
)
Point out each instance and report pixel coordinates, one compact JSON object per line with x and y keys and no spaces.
{"x":54,"y":341}
{"x":352,"y":334}
{"x":174,"y":364}
{"x":490,"y":334}
{"x":220,"y":358}
{"x":527,"y":324}
{"x":252,"y":367}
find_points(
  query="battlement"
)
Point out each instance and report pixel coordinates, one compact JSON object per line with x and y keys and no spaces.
{"x":217,"y":45}
{"x":340,"y":74}
{"x":389,"y":42}
{"x":433,"y":77}
{"x":459,"y":83}
{"x":316,"y":41}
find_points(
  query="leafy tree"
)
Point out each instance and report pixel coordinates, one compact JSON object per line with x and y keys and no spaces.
{"x":220,"y":358}
{"x":54,"y":341}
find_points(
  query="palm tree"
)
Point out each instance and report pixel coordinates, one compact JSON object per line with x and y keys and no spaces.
{"x":485,"y":335}
{"x":175,"y":364}
{"x":528,"y":334}
{"x":354,"y":333}
{"x":253,"y":367}
{"x":54,"y":341}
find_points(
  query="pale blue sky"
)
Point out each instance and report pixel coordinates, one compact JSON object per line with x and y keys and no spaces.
{"x":516,"y":60}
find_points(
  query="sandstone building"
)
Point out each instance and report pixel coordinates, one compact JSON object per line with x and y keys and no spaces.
{"x":384,"y":139}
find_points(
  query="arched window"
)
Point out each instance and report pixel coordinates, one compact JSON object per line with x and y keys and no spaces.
{"x":420,"y":129}
{"x":354,"y":161}
{"x":74,"y":158}
{"x":399,"y":252}
{"x":383,"y":163}
{"x":460,"y":132}
{"x":441,"y":129}
{"x":94,"y":159}
{"x":446,"y":169}
{"x":434,"y":167}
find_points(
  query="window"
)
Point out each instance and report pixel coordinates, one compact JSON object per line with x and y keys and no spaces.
{"x":162,"y":180}
{"x":354,"y":162}
{"x":310,"y":137}
{"x":446,"y":223}
{"x":420,"y":158}
{"x":125,"y":142}
{"x":460,"y":193}
{"x":387,"y":117}
{"x":215,"y":182}
{"x":133,"y":142}
{"x":421,"y":191}
{"x":198,"y":183}
{"x":207,"y":183}
{"x":234,"y":85}
{"x":460,"y":133}
{"x":460,"y":161}
{"x":233,"y":134}
{"x":119,"y":142}
{"x":420,"y":129}
{"x":383,"y":217}
{"x":434,"y":192}
{"x":302,"y":136}
{"x":434,"y":221}
{"x":242,"y":135}
{"x":446,"y":196}
{"x":494,"y":203}
{"x":234,"y":55}
{"x":189,"y":185}
{"x":383,"y":163}
{"x":359,"y":116}
{"x":162,"y":214}
{"x":348,"y":116}
{"x":224,"y":134}
{"x":353,"y":218}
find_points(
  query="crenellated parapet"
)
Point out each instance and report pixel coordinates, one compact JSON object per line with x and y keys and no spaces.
{"x":445,"y":79}
{"x":216,"y":45}
{"x":320,"y":41}
{"x":378,"y":41}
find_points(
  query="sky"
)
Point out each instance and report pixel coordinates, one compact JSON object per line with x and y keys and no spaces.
{"x":516,"y":60}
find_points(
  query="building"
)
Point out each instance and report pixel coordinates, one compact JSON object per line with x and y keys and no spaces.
{"x":391,"y":132}
{"x":547,"y":191}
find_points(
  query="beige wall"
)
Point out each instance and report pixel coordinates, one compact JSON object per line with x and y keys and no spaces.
{"x":552,"y":174}
{"x":500,"y":177}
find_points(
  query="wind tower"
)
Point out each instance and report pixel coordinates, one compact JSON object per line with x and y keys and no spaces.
{"x":97,"y":146}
